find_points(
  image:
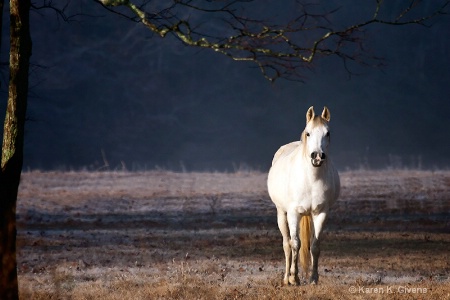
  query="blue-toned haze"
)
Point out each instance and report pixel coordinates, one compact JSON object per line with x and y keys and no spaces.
{"x":112,"y":90}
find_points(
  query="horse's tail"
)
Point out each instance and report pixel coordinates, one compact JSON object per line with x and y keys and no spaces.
{"x":305,"y":242}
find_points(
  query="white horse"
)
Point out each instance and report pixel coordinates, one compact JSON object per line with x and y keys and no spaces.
{"x":303,"y":183}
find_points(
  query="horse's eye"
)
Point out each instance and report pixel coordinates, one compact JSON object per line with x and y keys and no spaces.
{"x":307,"y":134}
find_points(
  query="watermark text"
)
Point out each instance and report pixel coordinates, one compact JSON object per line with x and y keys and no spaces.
{"x":389,"y":289}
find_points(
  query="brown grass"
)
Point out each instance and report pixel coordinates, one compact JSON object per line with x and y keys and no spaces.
{"x":163,"y":235}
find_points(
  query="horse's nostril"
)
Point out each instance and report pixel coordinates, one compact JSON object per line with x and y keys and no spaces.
{"x":316,"y":154}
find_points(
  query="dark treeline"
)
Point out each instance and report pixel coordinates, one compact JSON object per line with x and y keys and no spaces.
{"x":107,"y":93}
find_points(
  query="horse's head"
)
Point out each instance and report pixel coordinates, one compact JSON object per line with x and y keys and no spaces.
{"x":316,"y":136}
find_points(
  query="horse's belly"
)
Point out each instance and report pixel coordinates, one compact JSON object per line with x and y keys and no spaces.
{"x":310,"y":200}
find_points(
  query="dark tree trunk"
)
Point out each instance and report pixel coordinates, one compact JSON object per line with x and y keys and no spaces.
{"x":12,"y":150}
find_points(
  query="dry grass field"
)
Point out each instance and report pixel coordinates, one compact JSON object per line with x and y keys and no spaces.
{"x":165,"y":235}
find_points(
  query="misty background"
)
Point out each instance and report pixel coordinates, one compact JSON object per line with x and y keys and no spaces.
{"x":104,"y":89}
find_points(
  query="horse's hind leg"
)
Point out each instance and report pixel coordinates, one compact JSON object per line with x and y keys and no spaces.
{"x":319,"y":222}
{"x":284,"y":229}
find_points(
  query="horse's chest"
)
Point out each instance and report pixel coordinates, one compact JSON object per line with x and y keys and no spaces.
{"x":313,"y":197}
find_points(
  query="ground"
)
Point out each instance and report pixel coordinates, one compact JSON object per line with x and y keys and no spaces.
{"x":166,"y":235}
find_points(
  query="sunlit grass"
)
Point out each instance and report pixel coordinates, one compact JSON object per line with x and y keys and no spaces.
{"x":166,"y":235}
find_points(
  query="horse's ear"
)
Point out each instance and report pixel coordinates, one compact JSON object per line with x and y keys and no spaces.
{"x":310,"y":114}
{"x":326,"y":114}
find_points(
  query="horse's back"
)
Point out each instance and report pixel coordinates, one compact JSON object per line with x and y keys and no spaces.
{"x":285,"y":150}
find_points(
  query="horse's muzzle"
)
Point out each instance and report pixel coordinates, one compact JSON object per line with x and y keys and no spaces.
{"x":317,"y":158}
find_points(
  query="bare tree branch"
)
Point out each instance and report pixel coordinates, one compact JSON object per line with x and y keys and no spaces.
{"x":278,"y":50}
{"x":59,"y":8}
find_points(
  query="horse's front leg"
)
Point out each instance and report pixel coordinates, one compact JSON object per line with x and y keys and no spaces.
{"x":284,"y":229}
{"x":319,"y":222}
{"x":293,"y":220}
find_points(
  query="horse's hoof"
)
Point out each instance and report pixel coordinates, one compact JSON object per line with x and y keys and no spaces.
{"x":313,"y":281}
{"x":294,"y":280}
